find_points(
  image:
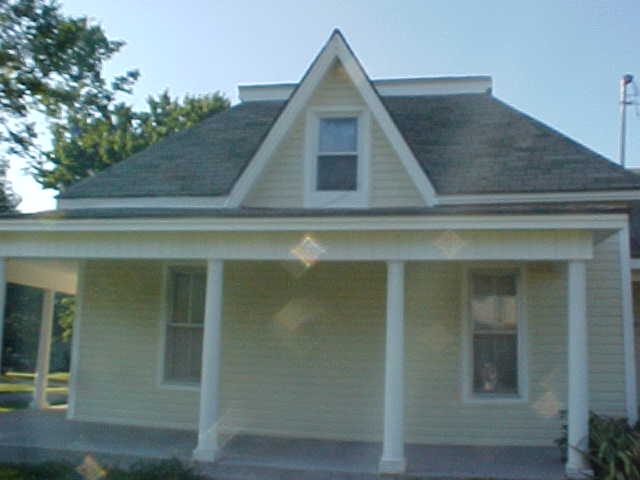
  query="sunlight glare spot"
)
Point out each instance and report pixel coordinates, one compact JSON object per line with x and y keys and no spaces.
{"x":308,"y":251}
{"x":90,"y":469}
{"x":449,"y":243}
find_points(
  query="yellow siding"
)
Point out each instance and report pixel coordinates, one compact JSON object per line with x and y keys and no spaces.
{"x":303,"y":351}
{"x":119,"y":348}
{"x":281,"y":184}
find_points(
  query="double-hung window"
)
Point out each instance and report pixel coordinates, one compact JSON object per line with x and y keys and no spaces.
{"x":337,"y":162}
{"x":336,"y":170}
{"x":495,"y":330}
{"x":184,"y":327}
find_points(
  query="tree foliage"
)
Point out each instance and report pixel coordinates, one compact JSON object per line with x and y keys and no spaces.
{"x":50,"y":64}
{"x":22,"y":329}
{"x":89,"y":141}
{"x":8,"y":199}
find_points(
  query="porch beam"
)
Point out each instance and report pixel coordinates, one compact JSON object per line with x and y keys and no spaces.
{"x":207,"y":448}
{"x":578,"y":371}
{"x":393,"y":459}
{"x":3,"y":298}
{"x":44,"y":351}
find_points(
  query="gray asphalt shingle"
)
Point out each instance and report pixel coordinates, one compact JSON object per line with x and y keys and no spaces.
{"x":466,"y":144}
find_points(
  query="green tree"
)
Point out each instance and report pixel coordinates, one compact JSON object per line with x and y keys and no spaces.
{"x":8,"y":199}
{"x":90,"y":140}
{"x":50,"y":65}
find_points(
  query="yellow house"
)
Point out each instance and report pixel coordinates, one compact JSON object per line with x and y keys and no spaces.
{"x":403,"y":261}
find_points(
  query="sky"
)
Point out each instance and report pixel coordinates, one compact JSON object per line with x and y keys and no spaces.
{"x":559,"y":61}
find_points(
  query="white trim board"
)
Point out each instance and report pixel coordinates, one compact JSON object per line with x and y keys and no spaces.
{"x":329,"y":245}
{"x":349,"y":223}
{"x":141,"y":202}
{"x":335,"y":49}
{"x":548,"y":197}
{"x":75,"y":340}
{"x":219,"y":202}
{"x":631,"y":394}
{"x":391,"y":87}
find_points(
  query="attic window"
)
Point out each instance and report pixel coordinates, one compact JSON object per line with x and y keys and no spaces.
{"x":337,"y":163}
{"x":337,"y":157}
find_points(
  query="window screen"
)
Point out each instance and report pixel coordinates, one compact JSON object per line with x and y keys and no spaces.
{"x":494,"y":318}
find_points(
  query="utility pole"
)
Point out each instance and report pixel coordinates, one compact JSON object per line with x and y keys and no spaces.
{"x":624,"y":82}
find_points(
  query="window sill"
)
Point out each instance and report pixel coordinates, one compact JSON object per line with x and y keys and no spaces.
{"x":183,"y":386}
{"x":497,"y":400}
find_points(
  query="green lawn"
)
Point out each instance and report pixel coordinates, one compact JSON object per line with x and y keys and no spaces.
{"x":59,"y":376}
{"x":21,"y":382}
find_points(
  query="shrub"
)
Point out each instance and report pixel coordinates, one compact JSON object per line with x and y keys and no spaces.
{"x":144,"y":470}
{"x":159,"y":470}
{"x":38,"y":471}
{"x":614,"y":447}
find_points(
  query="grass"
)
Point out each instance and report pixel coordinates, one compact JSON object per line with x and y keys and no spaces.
{"x":56,"y":376}
{"x":26,"y":387}
{"x":22,"y":382}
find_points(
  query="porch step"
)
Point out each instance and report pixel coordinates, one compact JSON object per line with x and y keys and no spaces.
{"x":259,"y":472}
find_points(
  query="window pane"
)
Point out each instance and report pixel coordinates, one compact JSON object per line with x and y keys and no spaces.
{"x":184,"y":354}
{"x":198,"y":290}
{"x":180,"y":305}
{"x":484,"y":312}
{"x":508,"y":313}
{"x":337,"y":172}
{"x":505,"y":285}
{"x":482,"y":285}
{"x":495,"y":360}
{"x":338,"y":135}
{"x":494,"y":302}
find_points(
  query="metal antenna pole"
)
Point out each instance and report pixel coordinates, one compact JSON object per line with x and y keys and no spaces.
{"x":624,"y":81}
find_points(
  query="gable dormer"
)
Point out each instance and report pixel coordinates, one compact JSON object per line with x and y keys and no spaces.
{"x":333,"y":146}
{"x":337,"y":145}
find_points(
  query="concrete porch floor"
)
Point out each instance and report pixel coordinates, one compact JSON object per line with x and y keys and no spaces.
{"x":27,"y":435}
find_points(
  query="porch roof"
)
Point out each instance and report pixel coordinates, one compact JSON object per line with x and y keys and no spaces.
{"x":247,"y":212}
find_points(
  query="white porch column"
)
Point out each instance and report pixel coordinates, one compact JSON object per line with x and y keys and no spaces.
{"x":44,"y":351}
{"x":393,"y":459}
{"x":210,"y":378}
{"x":3,"y":297}
{"x":578,"y":373}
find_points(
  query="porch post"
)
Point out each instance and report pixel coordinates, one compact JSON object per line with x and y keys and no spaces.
{"x":44,"y":351}
{"x":3,"y":297}
{"x":209,"y":382}
{"x":578,"y":371}
{"x":393,"y":458}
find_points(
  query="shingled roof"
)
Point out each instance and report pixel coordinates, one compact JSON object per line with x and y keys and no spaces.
{"x":466,"y":144}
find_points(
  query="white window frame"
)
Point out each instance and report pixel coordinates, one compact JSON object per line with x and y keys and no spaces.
{"x":468,"y":395}
{"x":358,"y":198}
{"x":165,"y":319}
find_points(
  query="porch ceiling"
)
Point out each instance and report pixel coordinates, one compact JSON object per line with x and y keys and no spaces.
{"x":52,"y":274}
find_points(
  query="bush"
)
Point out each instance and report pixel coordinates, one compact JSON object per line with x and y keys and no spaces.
{"x":614,"y":447}
{"x":162,"y":470}
{"x":144,"y":470}
{"x":39,"y":471}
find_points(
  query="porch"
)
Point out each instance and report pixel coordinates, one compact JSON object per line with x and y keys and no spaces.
{"x":31,"y":435}
{"x":292,"y":365}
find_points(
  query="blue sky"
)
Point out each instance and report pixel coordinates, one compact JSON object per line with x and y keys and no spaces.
{"x":559,"y":61}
